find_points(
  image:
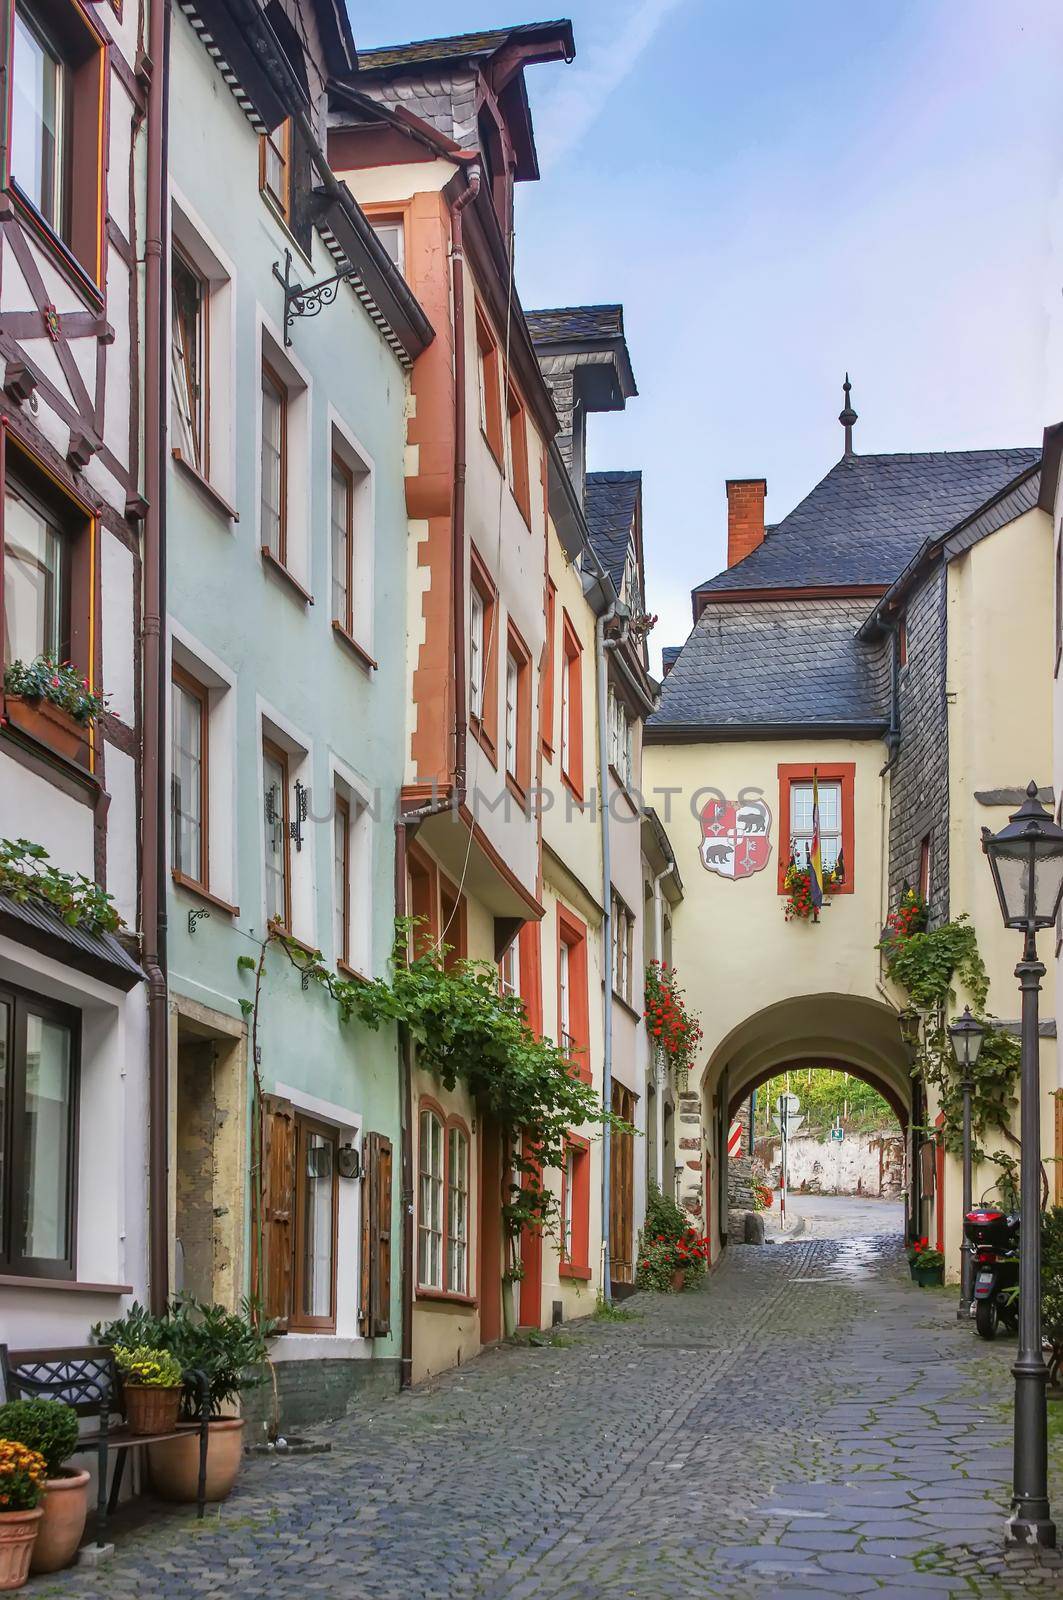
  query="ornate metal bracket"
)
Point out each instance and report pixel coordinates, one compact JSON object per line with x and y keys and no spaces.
{"x":194,"y":917}
{"x":308,"y":302}
{"x":302,"y":807}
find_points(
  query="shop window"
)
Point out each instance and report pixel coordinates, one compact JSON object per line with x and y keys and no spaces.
{"x":39,"y":1045}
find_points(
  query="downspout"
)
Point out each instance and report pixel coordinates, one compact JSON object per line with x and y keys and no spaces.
{"x":601,"y":645}
{"x":406,"y":1143}
{"x":153,"y":864}
{"x":658,"y":942}
{"x":457,"y":542}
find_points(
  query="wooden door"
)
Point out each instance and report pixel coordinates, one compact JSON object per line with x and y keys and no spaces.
{"x":621,"y":1184}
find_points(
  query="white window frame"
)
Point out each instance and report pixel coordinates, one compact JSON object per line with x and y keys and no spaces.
{"x":476,"y":652}
{"x":564,"y":995}
{"x":278,"y":730}
{"x":219,"y":682}
{"x":354,"y":789}
{"x":431,"y":1200}
{"x":509,"y":969}
{"x":297,"y":489}
{"x":395,"y":225}
{"x":356,"y":458}
{"x":456,"y":1248}
{"x":801,"y":839}
{"x":512,"y":708}
{"x":203,"y":253}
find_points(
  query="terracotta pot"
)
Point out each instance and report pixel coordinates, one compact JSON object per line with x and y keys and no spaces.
{"x":175,"y":1462}
{"x":150,"y":1408}
{"x":18,"y":1529}
{"x":50,"y":725}
{"x":64,"y":1507}
{"x":679,"y":1278}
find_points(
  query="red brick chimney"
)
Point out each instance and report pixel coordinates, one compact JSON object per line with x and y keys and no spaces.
{"x":745,"y":516}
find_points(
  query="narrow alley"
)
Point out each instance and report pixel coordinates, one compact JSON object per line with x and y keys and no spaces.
{"x":808,"y":1423}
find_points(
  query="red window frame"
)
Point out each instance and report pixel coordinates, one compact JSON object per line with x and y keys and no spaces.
{"x":491,"y":413}
{"x":518,"y":782}
{"x":485,"y":726}
{"x":576,"y":1210}
{"x":546,"y":734}
{"x":517,"y":424}
{"x":842,"y":772}
{"x":572,"y":667}
{"x":572,"y":932}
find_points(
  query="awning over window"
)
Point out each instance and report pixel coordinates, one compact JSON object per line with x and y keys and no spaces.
{"x":100,"y":955}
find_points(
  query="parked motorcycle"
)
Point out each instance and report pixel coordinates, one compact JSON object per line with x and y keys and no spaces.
{"x":993,"y":1238}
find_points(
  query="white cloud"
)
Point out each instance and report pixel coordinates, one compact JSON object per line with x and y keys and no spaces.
{"x":582,"y":92}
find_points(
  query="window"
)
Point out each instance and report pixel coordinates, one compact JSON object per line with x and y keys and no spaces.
{"x":575,"y":1209}
{"x":483,"y":673}
{"x":278,"y":861}
{"x":623,"y":933}
{"x":39,"y":1044}
{"x":457,"y":1211}
{"x":1059,"y":621}
{"x":573,"y":1013}
{"x":547,"y":732}
{"x":571,"y":706}
{"x":620,"y":758}
{"x":190,"y":390}
{"x":189,"y":765}
{"x":517,"y":454}
{"x":490,"y":396}
{"x":509,"y":969}
{"x":830,"y":823}
{"x":275,"y":167}
{"x":518,"y":713}
{"x":274,"y":532}
{"x":342,"y":504}
{"x":392,"y":235}
{"x":36,"y":579}
{"x":41,"y":120}
{"x":316,"y":1215}
{"x":341,"y":879}
{"x":925,"y":864}
{"x":836,"y":816}
{"x":442,"y":1204}
{"x":902,"y":642}
{"x":631,"y":585}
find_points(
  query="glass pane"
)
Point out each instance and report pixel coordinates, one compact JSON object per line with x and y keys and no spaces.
{"x":340,"y":880}
{"x":5,"y":1034}
{"x":457,"y":1210}
{"x":272,"y":465}
{"x":46,"y":1141}
{"x":319,"y":1178}
{"x":34,"y":583}
{"x":390,"y":236}
{"x":187,"y":386}
{"x":341,"y":545}
{"x":276,"y":860}
{"x":187,"y":783}
{"x":37,"y":136}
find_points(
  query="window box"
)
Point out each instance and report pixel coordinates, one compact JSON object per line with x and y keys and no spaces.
{"x":49,"y":725}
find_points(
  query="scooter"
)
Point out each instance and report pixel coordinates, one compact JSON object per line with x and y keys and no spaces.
{"x":993,"y":1239}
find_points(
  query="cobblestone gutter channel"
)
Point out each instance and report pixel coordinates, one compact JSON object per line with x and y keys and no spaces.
{"x":807,"y":1424}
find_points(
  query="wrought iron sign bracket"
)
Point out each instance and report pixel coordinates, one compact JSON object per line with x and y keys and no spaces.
{"x":308,"y":301}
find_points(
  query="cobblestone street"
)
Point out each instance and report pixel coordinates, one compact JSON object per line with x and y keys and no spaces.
{"x":809,"y":1423}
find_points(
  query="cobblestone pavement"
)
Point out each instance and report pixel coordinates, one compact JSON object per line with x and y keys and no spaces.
{"x":835,"y":1216}
{"x":808,"y":1423}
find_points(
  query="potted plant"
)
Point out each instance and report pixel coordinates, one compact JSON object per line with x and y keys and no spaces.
{"x":51,"y":701}
{"x":152,"y":1387}
{"x":22,"y":1479}
{"x":926,"y":1265}
{"x":50,"y":1427}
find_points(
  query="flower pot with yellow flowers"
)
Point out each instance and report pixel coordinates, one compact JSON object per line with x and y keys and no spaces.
{"x":50,"y":1427}
{"x":22,"y":1478}
{"x":152,"y":1386}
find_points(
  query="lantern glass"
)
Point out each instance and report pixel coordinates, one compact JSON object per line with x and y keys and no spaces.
{"x":1026,"y":860}
{"x":966,"y":1034}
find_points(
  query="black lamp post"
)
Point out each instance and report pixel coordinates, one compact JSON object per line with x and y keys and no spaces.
{"x":966,"y":1034}
{"x":1026,"y":860}
{"x":909,"y":1021}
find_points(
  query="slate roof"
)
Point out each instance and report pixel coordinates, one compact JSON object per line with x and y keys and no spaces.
{"x":773,"y":664}
{"x":575,"y":322}
{"x":869,"y":516}
{"x":455,"y":46}
{"x":669,"y":655}
{"x":610,"y":499}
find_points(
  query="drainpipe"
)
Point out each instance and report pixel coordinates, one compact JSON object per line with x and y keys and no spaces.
{"x":601,"y":645}
{"x":457,"y":542}
{"x":153,"y":864}
{"x":658,"y":940}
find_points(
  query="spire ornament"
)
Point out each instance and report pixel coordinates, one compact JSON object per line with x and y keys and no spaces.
{"x":847,"y":416}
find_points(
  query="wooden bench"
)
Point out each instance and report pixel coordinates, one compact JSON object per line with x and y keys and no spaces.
{"x":85,"y":1377}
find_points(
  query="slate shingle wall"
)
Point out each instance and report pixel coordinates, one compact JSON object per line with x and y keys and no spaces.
{"x":919,"y":782}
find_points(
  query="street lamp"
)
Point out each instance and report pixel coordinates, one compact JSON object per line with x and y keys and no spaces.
{"x":1026,"y":860}
{"x":966,"y":1034}
{"x":909,"y":1021}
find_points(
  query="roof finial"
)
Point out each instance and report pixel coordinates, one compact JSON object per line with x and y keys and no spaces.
{"x":847,"y":416}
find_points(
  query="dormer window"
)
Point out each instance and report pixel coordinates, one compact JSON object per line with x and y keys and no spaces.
{"x":392,"y":235}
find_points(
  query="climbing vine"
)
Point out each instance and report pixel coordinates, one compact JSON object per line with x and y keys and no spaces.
{"x":465,"y":1030}
{"x":26,"y":873}
{"x":928,"y":964}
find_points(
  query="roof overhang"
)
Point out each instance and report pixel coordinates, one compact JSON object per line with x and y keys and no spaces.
{"x":733,"y":732}
{"x":99,"y":955}
{"x":1051,"y":453}
{"x":380,"y":286}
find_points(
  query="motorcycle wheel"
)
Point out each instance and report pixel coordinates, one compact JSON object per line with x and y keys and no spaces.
{"x":986,"y":1317}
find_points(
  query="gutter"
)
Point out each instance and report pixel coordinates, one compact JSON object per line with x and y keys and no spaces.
{"x":153,"y":843}
{"x":601,"y":646}
{"x":658,"y":940}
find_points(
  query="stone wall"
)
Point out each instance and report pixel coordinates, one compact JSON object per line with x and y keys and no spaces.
{"x":861,"y":1164}
{"x":313,"y":1391}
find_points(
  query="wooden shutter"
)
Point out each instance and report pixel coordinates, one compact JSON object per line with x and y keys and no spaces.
{"x":375,"y":1314}
{"x":279,"y":1207}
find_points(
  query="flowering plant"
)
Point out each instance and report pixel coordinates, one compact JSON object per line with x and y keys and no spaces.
{"x":798,"y":886}
{"x":155,"y":1369}
{"x":660,"y":1258}
{"x":22,"y":1476}
{"x":922,"y":1254}
{"x":673,"y":1027}
{"x":59,"y":682}
{"x":909,"y":917}
{"x":762,"y":1197}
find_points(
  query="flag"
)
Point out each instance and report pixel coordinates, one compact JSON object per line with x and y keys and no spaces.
{"x":815,"y":855}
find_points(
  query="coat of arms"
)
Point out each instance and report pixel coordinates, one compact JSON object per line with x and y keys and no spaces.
{"x":735,"y":837}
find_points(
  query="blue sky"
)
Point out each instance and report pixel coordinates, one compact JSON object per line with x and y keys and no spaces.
{"x":778,"y":190}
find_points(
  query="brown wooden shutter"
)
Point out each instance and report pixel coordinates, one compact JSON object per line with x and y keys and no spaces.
{"x":375,"y":1300}
{"x":279,"y":1208}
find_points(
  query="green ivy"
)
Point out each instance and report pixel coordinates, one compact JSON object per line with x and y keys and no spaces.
{"x":26,"y":873}
{"x":926,"y":964}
